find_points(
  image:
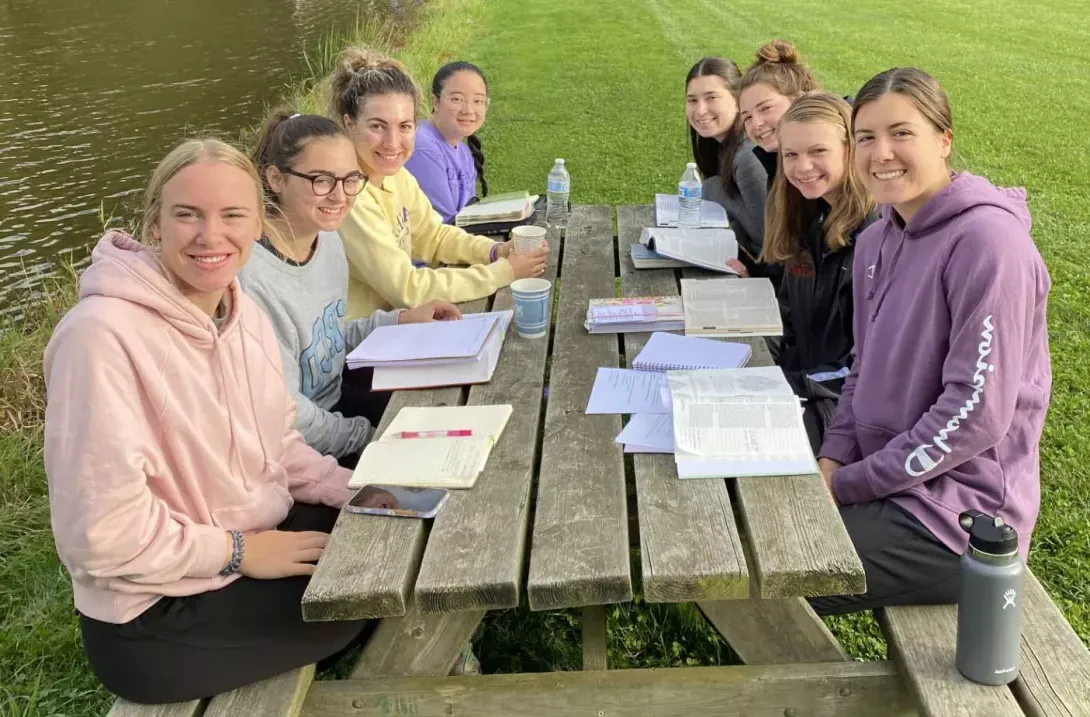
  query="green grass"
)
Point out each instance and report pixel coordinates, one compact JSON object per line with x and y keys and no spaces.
{"x":600,"y":84}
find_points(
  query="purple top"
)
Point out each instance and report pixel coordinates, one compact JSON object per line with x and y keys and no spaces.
{"x":946,"y":401}
{"x":445,"y":174}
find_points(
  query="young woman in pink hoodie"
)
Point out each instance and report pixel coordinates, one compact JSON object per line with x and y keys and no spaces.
{"x":187,"y":510}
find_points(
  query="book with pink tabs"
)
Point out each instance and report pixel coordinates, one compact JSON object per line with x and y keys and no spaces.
{"x":672,"y":352}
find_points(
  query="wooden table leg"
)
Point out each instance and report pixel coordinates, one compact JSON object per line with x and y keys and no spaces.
{"x":594,"y":637}
{"x":417,"y":644}
{"x":771,"y":632}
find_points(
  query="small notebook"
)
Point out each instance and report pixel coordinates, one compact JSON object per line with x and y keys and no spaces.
{"x":671,"y":352}
{"x":440,"y":447}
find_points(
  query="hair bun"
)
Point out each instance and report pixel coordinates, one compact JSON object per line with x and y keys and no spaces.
{"x":778,"y":51}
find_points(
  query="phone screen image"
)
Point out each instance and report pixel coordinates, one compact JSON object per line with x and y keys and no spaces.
{"x":398,"y":500}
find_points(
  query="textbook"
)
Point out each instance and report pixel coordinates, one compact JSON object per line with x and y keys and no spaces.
{"x":731,"y":307}
{"x":667,"y":212}
{"x":732,"y":423}
{"x":440,"y":447}
{"x":706,"y":248}
{"x":635,"y":314}
{"x":499,"y":209}
{"x":478,"y":369}
{"x":644,"y":258}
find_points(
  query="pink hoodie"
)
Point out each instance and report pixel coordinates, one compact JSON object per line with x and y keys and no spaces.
{"x":162,"y":433}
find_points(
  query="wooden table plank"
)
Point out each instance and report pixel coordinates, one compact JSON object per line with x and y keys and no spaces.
{"x":689,"y":544}
{"x":124,"y":708}
{"x":580,"y":538}
{"x":842,"y":689}
{"x":595,"y":639}
{"x":368,"y":566}
{"x":279,"y":696}
{"x":476,"y":550}
{"x":798,"y":543}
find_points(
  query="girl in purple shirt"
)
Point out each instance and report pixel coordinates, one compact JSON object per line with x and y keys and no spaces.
{"x":447,"y":160}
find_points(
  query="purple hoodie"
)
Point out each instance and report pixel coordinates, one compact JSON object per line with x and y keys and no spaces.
{"x":445,"y":174}
{"x":946,"y":401}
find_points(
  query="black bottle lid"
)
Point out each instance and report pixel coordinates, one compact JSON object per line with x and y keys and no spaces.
{"x":987,"y":534}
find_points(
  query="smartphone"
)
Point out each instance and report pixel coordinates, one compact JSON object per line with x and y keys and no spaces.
{"x":400,"y":501}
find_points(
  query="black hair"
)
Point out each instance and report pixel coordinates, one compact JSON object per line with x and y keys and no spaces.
{"x":283,"y":137}
{"x":473,"y":141}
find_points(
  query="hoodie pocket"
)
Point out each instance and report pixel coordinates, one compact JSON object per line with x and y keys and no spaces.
{"x":872,"y":438}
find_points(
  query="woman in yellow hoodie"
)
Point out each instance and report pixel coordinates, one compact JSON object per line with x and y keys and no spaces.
{"x":393,"y":223}
{"x":186,"y":509}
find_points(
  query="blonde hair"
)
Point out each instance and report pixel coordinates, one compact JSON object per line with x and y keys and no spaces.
{"x":777,"y":65}
{"x":360,"y":73}
{"x":786,"y":211}
{"x":188,"y":153}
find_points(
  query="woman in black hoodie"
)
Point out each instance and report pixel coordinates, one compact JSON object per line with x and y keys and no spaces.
{"x":815,"y":210}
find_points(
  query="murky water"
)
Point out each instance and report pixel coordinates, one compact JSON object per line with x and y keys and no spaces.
{"x":94,"y":92}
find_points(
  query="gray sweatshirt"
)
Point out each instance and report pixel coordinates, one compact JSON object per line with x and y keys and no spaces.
{"x":306,"y":304}
{"x":746,"y":212}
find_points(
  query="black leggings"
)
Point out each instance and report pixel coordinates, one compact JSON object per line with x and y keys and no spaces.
{"x":198,"y":646}
{"x":357,"y":399}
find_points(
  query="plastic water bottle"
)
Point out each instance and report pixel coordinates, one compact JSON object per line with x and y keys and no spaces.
{"x":689,"y":195}
{"x":990,"y":602}
{"x":559,"y":189}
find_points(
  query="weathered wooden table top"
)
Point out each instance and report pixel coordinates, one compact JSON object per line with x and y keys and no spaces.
{"x":550,"y":514}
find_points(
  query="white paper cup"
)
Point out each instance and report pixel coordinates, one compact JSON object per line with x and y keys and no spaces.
{"x":527,"y":238}
{"x":533,"y":309}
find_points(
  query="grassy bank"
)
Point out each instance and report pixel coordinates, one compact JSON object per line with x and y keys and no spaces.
{"x":601,"y":85}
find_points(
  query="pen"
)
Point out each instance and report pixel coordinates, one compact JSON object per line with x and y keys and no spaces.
{"x":459,"y":433}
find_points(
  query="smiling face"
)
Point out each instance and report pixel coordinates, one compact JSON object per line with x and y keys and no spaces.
{"x":306,"y":212}
{"x":207,"y":225}
{"x":710,"y":106}
{"x":383,"y":134}
{"x":761,"y":107}
{"x":814,"y":157}
{"x":900,"y":155}
{"x":461,"y":106}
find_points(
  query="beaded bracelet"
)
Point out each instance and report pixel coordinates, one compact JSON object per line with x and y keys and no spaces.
{"x":238,"y":546}
{"x":493,"y":253}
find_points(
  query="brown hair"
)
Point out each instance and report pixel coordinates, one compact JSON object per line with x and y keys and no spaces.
{"x":777,"y":65}
{"x":787,"y":212}
{"x":712,"y":157}
{"x":360,"y":73}
{"x":919,"y":87}
{"x":185,"y":154}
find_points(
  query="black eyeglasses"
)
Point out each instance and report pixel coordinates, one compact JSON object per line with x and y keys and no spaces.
{"x":324,"y":184}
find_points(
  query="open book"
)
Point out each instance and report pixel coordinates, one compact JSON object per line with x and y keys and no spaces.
{"x":731,"y":307}
{"x":706,"y":248}
{"x":738,"y":422}
{"x":440,"y":447}
{"x":667,"y":212}
{"x":644,"y":258}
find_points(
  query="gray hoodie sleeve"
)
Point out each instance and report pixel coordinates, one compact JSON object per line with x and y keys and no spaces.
{"x":752,"y":183}
{"x":356,"y":331}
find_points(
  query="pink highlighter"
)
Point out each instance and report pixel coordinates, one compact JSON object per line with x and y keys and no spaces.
{"x":457,"y":433}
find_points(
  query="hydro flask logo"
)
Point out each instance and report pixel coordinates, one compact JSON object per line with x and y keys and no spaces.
{"x":1008,"y":599}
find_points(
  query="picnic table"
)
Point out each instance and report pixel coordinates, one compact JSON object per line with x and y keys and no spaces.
{"x":552,"y":520}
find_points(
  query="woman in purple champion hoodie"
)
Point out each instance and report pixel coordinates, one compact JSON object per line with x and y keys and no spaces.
{"x":448,"y":159}
{"x":946,"y":400}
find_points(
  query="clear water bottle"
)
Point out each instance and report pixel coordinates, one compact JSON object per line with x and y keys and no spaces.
{"x":990,"y":602}
{"x":559,"y":186}
{"x":690,"y":192}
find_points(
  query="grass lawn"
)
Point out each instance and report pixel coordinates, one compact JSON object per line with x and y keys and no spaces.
{"x":600,"y":84}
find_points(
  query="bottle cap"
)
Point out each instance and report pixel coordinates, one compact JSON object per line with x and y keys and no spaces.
{"x":690,"y":165}
{"x":987,"y":534}
{"x":559,"y":161}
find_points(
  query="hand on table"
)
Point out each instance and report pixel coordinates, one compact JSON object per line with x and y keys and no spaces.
{"x":431,"y":311}
{"x":738,"y":267}
{"x":274,"y":554}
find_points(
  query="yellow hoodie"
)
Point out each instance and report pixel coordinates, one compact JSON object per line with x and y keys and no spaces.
{"x":394,"y":223}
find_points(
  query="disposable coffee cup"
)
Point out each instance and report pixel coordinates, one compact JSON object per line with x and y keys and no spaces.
{"x":527,"y":238}
{"x":532,"y":306}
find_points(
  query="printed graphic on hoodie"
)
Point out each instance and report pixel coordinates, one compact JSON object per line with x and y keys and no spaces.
{"x":919,"y":461}
{"x":326,"y":341}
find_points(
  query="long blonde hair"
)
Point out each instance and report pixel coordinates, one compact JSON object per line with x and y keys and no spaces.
{"x":185,"y":154}
{"x":787,"y":212}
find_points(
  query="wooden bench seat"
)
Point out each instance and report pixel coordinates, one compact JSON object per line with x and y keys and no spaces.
{"x":280,"y":696}
{"x":1054,"y":669}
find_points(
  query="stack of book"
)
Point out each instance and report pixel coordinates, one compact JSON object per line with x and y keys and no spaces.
{"x":633,"y":315}
{"x":443,"y":353}
{"x":510,"y":208}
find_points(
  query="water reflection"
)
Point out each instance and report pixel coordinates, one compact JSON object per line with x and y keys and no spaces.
{"x":92,"y":94}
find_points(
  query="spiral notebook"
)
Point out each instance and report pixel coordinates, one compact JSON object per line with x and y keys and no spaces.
{"x":672,"y":352}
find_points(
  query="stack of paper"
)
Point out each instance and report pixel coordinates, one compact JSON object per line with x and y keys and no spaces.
{"x":643,"y":313}
{"x":648,"y":433}
{"x":644,"y":258}
{"x":444,"y":353}
{"x":667,"y":211}
{"x":670,"y":352}
{"x":731,"y":307}
{"x":706,"y":248}
{"x":738,"y":422}
{"x":443,"y":447}
{"x":513,"y":207}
